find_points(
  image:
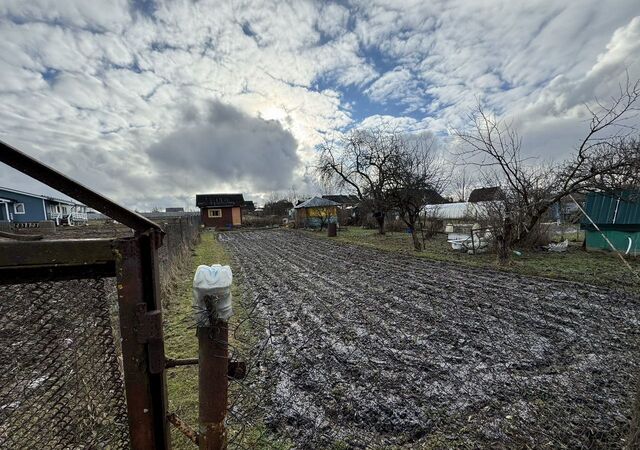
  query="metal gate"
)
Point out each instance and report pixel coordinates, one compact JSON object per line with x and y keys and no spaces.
{"x":81,"y":344}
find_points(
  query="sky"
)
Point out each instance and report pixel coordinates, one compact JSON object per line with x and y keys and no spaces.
{"x":150,"y":102}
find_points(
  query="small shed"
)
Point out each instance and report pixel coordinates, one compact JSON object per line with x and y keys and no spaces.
{"x":316,"y":213}
{"x":617,"y":215}
{"x":220,"y":210}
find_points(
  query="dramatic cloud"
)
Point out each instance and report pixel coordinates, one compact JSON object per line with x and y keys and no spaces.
{"x":227,"y":148}
{"x":99,"y":88}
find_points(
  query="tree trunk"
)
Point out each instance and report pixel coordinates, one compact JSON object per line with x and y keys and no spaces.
{"x":417,"y":245}
{"x":504,"y":242}
{"x":380,"y":219}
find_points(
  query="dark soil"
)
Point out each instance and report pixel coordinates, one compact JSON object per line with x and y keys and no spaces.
{"x":370,"y":349}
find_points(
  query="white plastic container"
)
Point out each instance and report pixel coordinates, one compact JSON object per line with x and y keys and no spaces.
{"x":212,"y":294}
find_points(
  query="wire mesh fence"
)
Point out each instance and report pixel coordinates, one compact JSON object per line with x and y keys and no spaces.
{"x":61,"y":383}
{"x":354,"y":348}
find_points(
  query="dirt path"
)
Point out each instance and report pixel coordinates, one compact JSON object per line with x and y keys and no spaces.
{"x":366,"y":348}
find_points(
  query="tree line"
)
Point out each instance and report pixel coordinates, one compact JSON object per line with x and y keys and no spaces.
{"x":392,"y":170}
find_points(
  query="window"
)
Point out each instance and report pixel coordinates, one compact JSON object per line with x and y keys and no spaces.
{"x":18,"y":208}
{"x":214,"y":213}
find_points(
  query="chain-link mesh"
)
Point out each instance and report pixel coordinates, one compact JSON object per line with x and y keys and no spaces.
{"x":356,"y":348}
{"x":61,"y":385}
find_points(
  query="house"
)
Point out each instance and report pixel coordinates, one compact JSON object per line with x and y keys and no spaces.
{"x":316,"y":213}
{"x":174,"y":209}
{"x":249,"y":206}
{"x":343,"y":200}
{"x":220,"y":210}
{"x":349,"y":209}
{"x":617,"y":216}
{"x":21,"y":207}
{"x":486,"y":194}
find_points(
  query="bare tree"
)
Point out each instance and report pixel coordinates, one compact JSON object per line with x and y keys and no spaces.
{"x":462,"y":183}
{"x":417,"y":180}
{"x":363,"y":162}
{"x":606,"y":158}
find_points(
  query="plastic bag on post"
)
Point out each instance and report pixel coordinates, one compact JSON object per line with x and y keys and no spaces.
{"x":212,"y":294}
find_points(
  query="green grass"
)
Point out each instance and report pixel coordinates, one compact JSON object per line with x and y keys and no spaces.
{"x":181,"y":342}
{"x":575,"y":265}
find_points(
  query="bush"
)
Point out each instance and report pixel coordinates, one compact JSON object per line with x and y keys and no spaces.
{"x":252,"y":221}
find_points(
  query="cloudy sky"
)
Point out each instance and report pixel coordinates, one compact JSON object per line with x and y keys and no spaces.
{"x":151,"y":102}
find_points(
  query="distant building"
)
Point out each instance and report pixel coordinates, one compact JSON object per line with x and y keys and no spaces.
{"x":220,"y":210}
{"x":249,"y":206}
{"x":23,"y":207}
{"x":348,"y":209}
{"x":316,"y":213}
{"x":174,"y":210}
{"x":486,"y":194}
{"x":617,"y":215}
{"x":343,"y":200}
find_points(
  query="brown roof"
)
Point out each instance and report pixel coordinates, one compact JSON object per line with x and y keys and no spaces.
{"x":343,"y":199}
{"x":219,"y":200}
{"x":486,"y":194}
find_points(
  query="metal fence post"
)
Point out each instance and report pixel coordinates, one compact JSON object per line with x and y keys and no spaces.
{"x":213,"y":385}
{"x":142,"y":341}
{"x":212,"y":303}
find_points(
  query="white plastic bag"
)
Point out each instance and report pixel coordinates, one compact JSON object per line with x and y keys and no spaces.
{"x":212,"y":294}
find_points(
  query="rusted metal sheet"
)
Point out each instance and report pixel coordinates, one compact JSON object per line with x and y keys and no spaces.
{"x":45,"y":174}
{"x":32,"y":274}
{"x":69,"y":252}
{"x":136,"y":272}
{"x":25,"y":262}
{"x":213,"y":385}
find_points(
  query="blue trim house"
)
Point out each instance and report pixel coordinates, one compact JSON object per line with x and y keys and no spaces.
{"x":23,"y":207}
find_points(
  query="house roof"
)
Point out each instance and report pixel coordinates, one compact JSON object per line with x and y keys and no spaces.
{"x":219,"y":200}
{"x":248,"y":204}
{"x":348,"y":199}
{"x":461,"y":210}
{"x":433,"y":197}
{"x":317,"y":202}
{"x":486,"y":194}
{"x":44,"y":197}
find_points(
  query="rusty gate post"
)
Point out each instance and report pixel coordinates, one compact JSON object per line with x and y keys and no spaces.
{"x":213,"y":385}
{"x":142,"y":341}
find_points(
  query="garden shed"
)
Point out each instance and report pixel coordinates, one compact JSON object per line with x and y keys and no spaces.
{"x":220,"y":210}
{"x":316,"y":213}
{"x":617,"y":215}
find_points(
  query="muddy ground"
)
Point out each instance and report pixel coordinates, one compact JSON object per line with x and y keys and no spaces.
{"x":361,"y":348}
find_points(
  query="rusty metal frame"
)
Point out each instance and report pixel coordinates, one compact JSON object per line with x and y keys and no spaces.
{"x":134,"y":263}
{"x":51,"y":177}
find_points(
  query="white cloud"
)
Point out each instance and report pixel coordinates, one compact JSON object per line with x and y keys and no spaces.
{"x":90,"y":86}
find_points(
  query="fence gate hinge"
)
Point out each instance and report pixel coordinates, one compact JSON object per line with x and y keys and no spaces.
{"x":150,"y":332}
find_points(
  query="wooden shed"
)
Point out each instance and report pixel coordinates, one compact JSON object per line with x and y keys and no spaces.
{"x":220,"y":210}
{"x":316,"y":213}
